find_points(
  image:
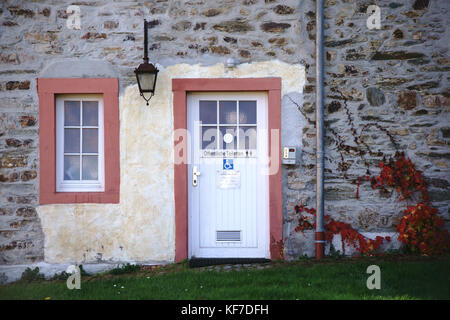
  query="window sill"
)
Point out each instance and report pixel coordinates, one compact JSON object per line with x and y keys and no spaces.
{"x":88,"y":187}
{"x":79,"y":197}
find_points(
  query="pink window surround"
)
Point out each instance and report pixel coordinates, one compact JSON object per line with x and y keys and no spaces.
{"x":180,"y":88}
{"x":47,"y":89}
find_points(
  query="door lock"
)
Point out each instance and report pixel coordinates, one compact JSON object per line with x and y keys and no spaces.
{"x":195,"y":175}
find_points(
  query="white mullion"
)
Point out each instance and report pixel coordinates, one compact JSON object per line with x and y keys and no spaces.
{"x":217,"y":125}
{"x":71,"y":153}
{"x":238,"y":123}
{"x":78,"y":127}
{"x":99,"y":174}
{"x":229,"y":124}
{"x":62,"y":111}
{"x":101,"y":142}
{"x":81,"y":140}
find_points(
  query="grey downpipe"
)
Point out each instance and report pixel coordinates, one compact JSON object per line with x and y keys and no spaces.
{"x":320,"y":230}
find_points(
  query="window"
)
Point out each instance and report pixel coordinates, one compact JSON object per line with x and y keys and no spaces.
{"x":79,"y":158}
{"x":79,"y":143}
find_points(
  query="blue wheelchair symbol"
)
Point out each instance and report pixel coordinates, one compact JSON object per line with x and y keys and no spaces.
{"x":228,"y":164}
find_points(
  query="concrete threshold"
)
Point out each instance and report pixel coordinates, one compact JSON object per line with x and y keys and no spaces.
{"x":203,"y":262}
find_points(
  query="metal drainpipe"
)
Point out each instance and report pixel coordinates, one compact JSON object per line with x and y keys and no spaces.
{"x":320,"y":230}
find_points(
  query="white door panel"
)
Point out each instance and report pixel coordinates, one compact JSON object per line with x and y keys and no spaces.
{"x":228,"y":209}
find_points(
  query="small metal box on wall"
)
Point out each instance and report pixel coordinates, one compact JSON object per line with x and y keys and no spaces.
{"x":289,"y":155}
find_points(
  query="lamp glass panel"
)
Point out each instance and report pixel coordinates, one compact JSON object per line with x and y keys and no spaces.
{"x":146,"y":81}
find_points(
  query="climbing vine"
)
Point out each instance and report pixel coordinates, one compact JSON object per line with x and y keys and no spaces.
{"x":421,"y":229}
{"x":349,"y":236}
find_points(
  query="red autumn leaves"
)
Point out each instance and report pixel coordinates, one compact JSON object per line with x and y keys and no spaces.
{"x":349,"y":235}
{"x":401,"y":174}
{"x":421,"y":230}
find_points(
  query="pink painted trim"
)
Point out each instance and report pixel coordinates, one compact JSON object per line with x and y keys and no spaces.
{"x":180,"y":182}
{"x":180,"y":87}
{"x":47,"y":89}
{"x":275,"y":181}
{"x":226,"y":84}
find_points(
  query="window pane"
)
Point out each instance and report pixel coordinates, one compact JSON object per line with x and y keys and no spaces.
{"x":90,"y":113}
{"x":228,"y":137}
{"x":90,"y":168}
{"x":247,"y":138}
{"x":71,"y":113}
{"x":227,"y":112}
{"x":90,"y":140}
{"x":208,"y":139}
{"x":71,"y":168}
{"x":208,"y":112}
{"x":71,"y":140}
{"x":247,"y":112}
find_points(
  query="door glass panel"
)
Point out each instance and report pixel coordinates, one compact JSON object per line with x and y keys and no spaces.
{"x":71,"y":168}
{"x":247,"y":112}
{"x":90,"y":113}
{"x":234,"y":133}
{"x":71,"y":113}
{"x":72,"y":140}
{"x":90,"y":167}
{"x":227,"y":112}
{"x":208,"y":139}
{"x":247,"y":137}
{"x":208,"y":112}
{"x":90,"y":140}
{"x":228,"y":137}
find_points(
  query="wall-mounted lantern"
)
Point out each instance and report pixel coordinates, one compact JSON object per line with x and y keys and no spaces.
{"x":146,"y":73}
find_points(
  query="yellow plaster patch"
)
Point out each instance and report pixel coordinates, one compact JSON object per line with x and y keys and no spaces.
{"x":141,"y":227}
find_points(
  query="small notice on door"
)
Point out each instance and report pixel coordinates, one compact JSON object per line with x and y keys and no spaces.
{"x":228,"y":179}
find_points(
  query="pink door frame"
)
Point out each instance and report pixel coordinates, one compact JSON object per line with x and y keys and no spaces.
{"x":180,"y":88}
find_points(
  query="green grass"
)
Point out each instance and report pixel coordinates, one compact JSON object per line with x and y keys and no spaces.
{"x":419,"y":278}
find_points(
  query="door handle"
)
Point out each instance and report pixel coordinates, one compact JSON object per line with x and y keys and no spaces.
{"x":195,"y":174}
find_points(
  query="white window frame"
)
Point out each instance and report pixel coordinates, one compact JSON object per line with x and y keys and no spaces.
{"x":78,"y":185}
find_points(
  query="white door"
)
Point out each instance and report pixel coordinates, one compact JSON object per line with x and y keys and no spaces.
{"x":227,"y":177}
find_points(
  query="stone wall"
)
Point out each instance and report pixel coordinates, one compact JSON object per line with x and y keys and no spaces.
{"x":36,"y":42}
{"x":396,"y":78}
{"x":386,"y":90}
